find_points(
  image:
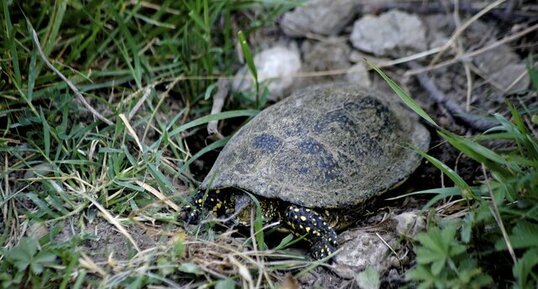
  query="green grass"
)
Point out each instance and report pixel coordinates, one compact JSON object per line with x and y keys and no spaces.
{"x":70,"y":183}
{"x":149,"y":69}
{"x":495,"y":241}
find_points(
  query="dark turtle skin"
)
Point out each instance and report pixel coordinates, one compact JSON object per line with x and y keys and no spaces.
{"x":315,"y":159}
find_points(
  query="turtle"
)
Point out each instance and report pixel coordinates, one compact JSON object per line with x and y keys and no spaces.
{"x":314,"y":161}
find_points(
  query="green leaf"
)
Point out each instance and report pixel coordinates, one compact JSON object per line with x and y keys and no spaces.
{"x":178,"y":248}
{"x":368,"y":279}
{"x":212,"y":146}
{"x":477,"y":152}
{"x":523,"y":235}
{"x":524,"y":268}
{"x":466,"y":191}
{"x":10,"y":40}
{"x":410,"y":102}
{"x":258,"y":225}
{"x":211,"y":117}
{"x":46,"y":135}
{"x":438,"y":266}
{"x":250,"y":63}
{"x":209,"y":90}
{"x":41,"y":260}
{"x":533,"y":73}
{"x":284,"y":242}
{"x":190,"y":268}
{"x":227,"y":283}
{"x":21,"y":255}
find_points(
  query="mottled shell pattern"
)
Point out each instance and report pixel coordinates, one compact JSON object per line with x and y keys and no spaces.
{"x":330,"y":146}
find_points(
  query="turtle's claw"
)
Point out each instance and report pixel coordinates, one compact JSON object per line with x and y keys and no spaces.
{"x":190,"y":214}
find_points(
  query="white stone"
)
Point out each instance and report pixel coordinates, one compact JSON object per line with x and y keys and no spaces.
{"x":276,"y":67}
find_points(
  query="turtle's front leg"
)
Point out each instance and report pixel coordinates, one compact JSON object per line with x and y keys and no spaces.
{"x":308,"y":223}
{"x":213,"y":201}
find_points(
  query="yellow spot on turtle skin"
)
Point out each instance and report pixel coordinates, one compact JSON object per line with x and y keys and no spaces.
{"x":296,"y":210}
{"x":212,"y":200}
{"x":217,"y":191}
{"x":219,"y":205}
{"x":199,"y":201}
{"x":295,"y":216}
{"x":292,"y":226}
{"x":308,"y":229}
{"x":325,"y":223}
{"x":308,"y":210}
{"x":303,"y":218}
{"x":301,"y":226}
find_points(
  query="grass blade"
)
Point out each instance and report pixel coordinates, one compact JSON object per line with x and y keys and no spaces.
{"x":12,"y":44}
{"x":46,"y":135}
{"x":410,"y":102}
{"x":250,"y":63}
{"x":466,"y":191}
{"x":533,"y":73}
{"x":212,"y":146}
{"x":211,"y":117}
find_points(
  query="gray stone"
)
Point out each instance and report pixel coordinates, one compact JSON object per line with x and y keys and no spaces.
{"x":503,"y":66}
{"x":362,"y":249}
{"x":326,"y":17}
{"x":408,"y":224}
{"x":496,"y":59}
{"x":358,"y":75}
{"x":394,"y":33}
{"x":511,"y":78}
{"x":276,"y":66}
{"x":332,"y":54}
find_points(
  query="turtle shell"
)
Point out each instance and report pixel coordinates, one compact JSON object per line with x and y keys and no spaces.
{"x":323,"y":147}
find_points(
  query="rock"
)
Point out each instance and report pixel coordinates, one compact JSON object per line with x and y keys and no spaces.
{"x":362,"y":249}
{"x":276,"y":66}
{"x":496,"y":59}
{"x":332,"y":54}
{"x":358,"y":74}
{"x":394,"y":33}
{"x":408,"y":224}
{"x":326,"y":17}
{"x":511,"y":78}
{"x":503,"y":66}
{"x":438,"y":27}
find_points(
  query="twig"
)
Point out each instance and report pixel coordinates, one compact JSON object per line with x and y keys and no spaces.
{"x":223,"y":87}
{"x":69,"y":83}
{"x":476,"y":122}
{"x":506,"y":13}
{"x":141,"y":101}
{"x":469,"y":55}
{"x":497,"y":217}
{"x":462,"y":28}
{"x":460,"y":50}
